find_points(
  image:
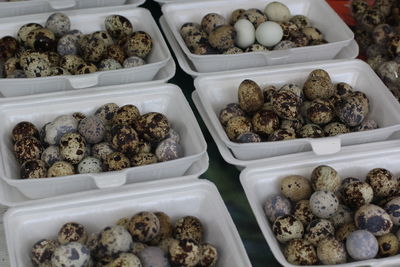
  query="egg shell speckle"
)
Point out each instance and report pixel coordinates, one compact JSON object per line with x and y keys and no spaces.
{"x":61,"y":168}
{"x":325,"y":178}
{"x":250,"y":96}
{"x":318,"y":230}
{"x":72,"y":147}
{"x":300,"y":252}
{"x":116,"y":161}
{"x":118,"y":26}
{"x":388,"y":245}
{"x":92,"y":129}
{"x":282,"y":134}
{"x":323,"y":204}
{"x":24,"y":129}
{"x":139,"y":44}
{"x":71,"y":254}
{"x":152,"y":126}
{"x":393,"y":209}
{"x":287,"y":227}
{"x":362,"y":245}
{"x":211,"y":21}
{"x":126,"y":259}
{"x":109,"y":64}
{"x":106,"y":112}
{"x":248,"y":137}
{"x":184,"y":253}
{"x":373,"y":219}
{"x":72,"y":232}
{"x":90,"y":165}
{"x":343,"y":215}
{"x":222,"y":37}
{"x":208,"y":255}
{"x":28,"y":148}
{"x":114,"y":240}
{"x":133,"y":61}
{"x":33,"y":169}
{"x":303,"y":212}
{"x":189,"y":227}
{"x":343,"y":231}
{"x":311,"y":131}
{"x":276,"y":206}
{"x":142,"y":159}
{"x":355,"y":194}
{"x":255,"y":16}
{"x":335,"y":128}
{"x":124,"y":139}
{"x":102,"y":150}
{"x":59,"y":23}
{"x":42,"y":251}
{"x":382,"y":182}
{"x":144,"y":226}
{"x":331,"y":251}
{"x":286,"y":104}
{"x":296,"y":187}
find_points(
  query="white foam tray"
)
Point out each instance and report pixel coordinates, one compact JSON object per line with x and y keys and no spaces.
{"x":336,"y":32}
{"x":216,"y":91}
{"x":12,"y":9}
{"x":263,"y":180}
{"x":349,"y":52}
{"x":165,"y":98}
{"x":98,"y":209}
{"x":90,"y":20}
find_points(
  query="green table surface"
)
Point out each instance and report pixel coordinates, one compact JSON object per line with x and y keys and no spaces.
{"x":225,"y":176}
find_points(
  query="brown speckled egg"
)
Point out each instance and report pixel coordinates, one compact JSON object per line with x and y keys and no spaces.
{"x":373,"y":219}
{"x":250,"y":96}
{"x":93,"y":50}
{"x":152,"y":126}
{"x":139,"y":44}
{"x":388,"y":245}
{"x":294,"y":125}
{"x":105,"y":36}
{"x":208,"y":256}
{"x":168,"y":149}
{"x":185,"y":253}
{"x":8,"y":47}
{"x":318,"y":230}
{"x":287,"y":227}
{"x":33,"y":169}
{"x":255,"y":16}
{"x":72,"y":232}
{"x":211,"y":21}
{"x":144,"y":226}
{"x":58,"y":71}
{"x":106,"y":113}
{"x":61,"y":168}
{"x":311,"y":131}
{"x":189,"y":227}
{"x":286,"y":104}
{"x":72,"y":147}
{"x":313,"y":33}
{"x":364,"y":100}
{"x":205,"y":49}
{"x":116,"y":52}
{"x":325,"y":178}
{"x":10,"y":66}
{"x":124,"y":139}
{"x":301,"y":21}
{"x":116,"y":161}
{"x":38,"y":66}
{"x":23,"y":32}
{"x":296,"y":187}
{"x":299,"y":38}
{"x":71,"y":63}
{"x":335,"y":128}
{"x":222,"y":37}
{"x":282,"y":134}
{"x":256,"y":48}
{"x":102,"y":150}
{"x":54,"y":58}
{"x":42,"y":251}
{"x":28,"y":148}
{"x":233,"y":50}
{"x":382,"y":182}
{"x":118,"y":26}
{"x":320,"y":111}
{"x":265,"y":122}
{"x":294,"y":88}
{"x":319,"y":73}
{"x":331,"y":251}
{"x":371,"y":18}
{"x":166,"y":228}
{"x":288,"y":28}
{"x":165,"y":244}
{"x":300,"y":252}
{"x":343,"y":231}
{"x":303,"y":212}
{"x":113,"y":241}
{"x":24,"y":129}
{"x":237,"y":126}
{"x":268,"y":91}
{"x":144,"y":146}
{"x":318,"y":87}
{"x":248,"y":137}
{"x":195,"y":38}
{"x":142,"y":159}
{"x":235,"y":15}
{"x":231,"y":110}
{"x":356,"y":194}
{"x":342,"y":216}
{"x":351,"y":111}
{"x":188,"y":27}
{"x":367,"y":124}
{"x":42,"y":40}
{"x":126,"y":115}
{"x":86,"y":68}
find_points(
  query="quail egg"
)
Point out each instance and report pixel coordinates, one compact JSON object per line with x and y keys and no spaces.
{"x":124,"y":139}
{"x":211,"y":21}
{"x":90,"y":165}
{"x":115,"y":52}
{"x":250,"y":96}
{"x":116,"y":161}
{"x":286,"y":104}
{"x":93,"y":50}
{"x":28,"y":148}
{"x":85,"y":69}
{"x":311,"y":131}
{"x":168,"y":150}
{"x":356,"y":194}
{"x":72,"y":232}
{"x":142,"y":159}
{"x":320,"y":112}
{"x":285,"y":44}
{"x":248,"y":137}
{"x":287,"y":227}
{"x":256,"y":48}
{"x":34,"y":168}
{"x":24,"y":129}
{"x":351,"y":111}
{"x":71,"y":63}
{"x":152,"y":126}
{"x":144,"y":226}
{"x":68,"y":45}
{"x":102,"y":150}
{"x":235,"y":15}
{"x":301,"y":21}
{"x":303,"y":212}
{"x":296,"y":187}
{"x":343,"y":231}
{"x":382,"y":182}
{"x":107,"y":39}
{"x":8,"y":47}
{"x":184,"y":253}
{"x":371,"y":18}
{"x":318,"y":87}
{"x":61,"y":168}
{"x":166,"y":228}
{"x":92,"y":129}
{"x":343,"y":215}
{"x":367,"y":124}
{"x":118,"y":26}
{"x":265,"y":122}
{"x":300,"y":252}
{"x":133,"y":61}
{"x":236,"y":126}
{"x":282,"y":134}
{"x":42,"y":251}
{"x":325,"y":178}
{"x":255,"y":16}
{"x":373,"y":219}
{"x":323,"y":204}
{"x":331,"y":251}
{"x":318,"y":230}
{"x":153,"y":256}
{"x":109,"y":64}
{"x":126,"y":259}
{"x":58,"y":23}
{"x":276,"y":206}
{"x":393,"y":208}
{"x":71,"y":254}
{"x":42,"y":40}
{"x":114,"y":240}
{"x":362,"y":245}
{"x":208,"y":255}
{"x":37,"y":65}
{"x":23,"y":32}
{"x":126,"y":115}
{"x":106,"y":112}
{"x":335,"y":128}
{"x":139,"y":44}
{"x":388,"y":245}
{"x":72,"y":147}
{"x":188,"y":27}
{"x":222,"y":37}
{"x":189,"y":227}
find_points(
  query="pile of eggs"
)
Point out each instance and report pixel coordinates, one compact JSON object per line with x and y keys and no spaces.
{"x":319,"y":108}
{"x":57,"y":50}
{"x":377,"y":33}
{"x":111,"y":139}
{"x":145,"y":239}
{"x":250,"y":30}
{"x":325,"y":219}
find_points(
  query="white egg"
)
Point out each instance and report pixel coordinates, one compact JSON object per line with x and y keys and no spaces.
{"x":276,"y":11}
{"x":269,"y":33}
{"x":245,"y":33}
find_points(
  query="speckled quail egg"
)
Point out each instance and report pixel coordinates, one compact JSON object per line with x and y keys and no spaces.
{"x":174,"y":135}
{"x":72,"y":147}
{"x":133,"y":61}
{"x":285,"y":44}
{"x":296,"y":187}
{"x":358,"y":7}
{"x":318,"y":87}
{"x":126,"y":115}
{"x":208,"y":255}
{"x":41,"y":40}
{"x":139,"y":44}
{"x":142,"y":159}
{"x":362,"y":245}
{"x":269,"y":33}
{"x":68,"y":45}
{"x":382,"y":33}
{"x":109,"y":64}
{"x":42,"y":251}
{"x":34,"y":168}
{"x":389,"y":72}
{"x":318,"y":230}
{"x":294,"y":125}
{"x":382,"y":182}
{"x":363,"y":98}
{"x":394,"y":46}
{"x":311,"y":131}
{"x":36,"y":65}
{"x":58,"y":71}
{"x":58,"y":127}
{"x":250,"y":96}
{"x":235,"y":15}
{"x":105,"y":36}
{"x":377,"y":50}
{"x":277,"y":11}
{"x":116,"y":52}
{"x":294,"y":88}
{"x":114,"y":240}
{"x":137,"y":247}
{"x":351,"y":111}
{"x":25,"y":30}
{"x":373,"y":219}
{"x":71,"y":63}
{"x":116,"y":161}
{"x":367,"y":124}
{"x":335,"y":128}
{"x":300,"y":252}
{"x":195,"y":39}
{"x":86,"y":68}
{"x":276,"y":206}
{"x":255,"y":16}
{"x":90,"y":165}
{"x":388,"y":245}
{"x":312,"y":33}
{"x":24,"y":129}
{"x":166,"y":228}
{"x":71,"y":254}
{"x":102,"y":150}
{"x":72,"y":232}
{"x":222,"y":37}
{"x":145,"y":147}
{"x":265,"y":122}
{"x":118,"y":26}
{"x":28,"y":148}
{"x":205,"y":49}
{"x":301,"y":21}
{"x":168,"y":150}
{"x":393,"y":209}
{"x":8,"y":47}
{"x":248,"y":137}
{"x":343,"y":215}
{"x":152,"y":126}
{"x":357,"y":193}
{"x":211,"y":21}
{"x":371,"y":18}
{"x":165,"y":244}
{"x":324,"y":204}
{"x":126,"y":259}
{"x":61,"y":168}
{"x":92,"y":129}
{"x":185,"y":253}
{"x":343,"y":89}
{"x":282,"y":134}
{"x":303,"y":212}
{"x":93,"y":50}
{"x":144,"y":226}
{"x":287,"y":227}
{"x":58,"y":23}
{"x":189,"y":227}
{"x":320,"y":111}
{"x":325,"y":178}
{"x":343,"y":231}
{"x":256,"y":48}
{"x":286,"y":104}
{"x":331,"y":251}
{"x":10,"y":66}
{"x":106,"y":112}
{"x":124,"y":139}
{"x":188,"y":27}
{"x":153,"y":256}
{"x":236,"y":126}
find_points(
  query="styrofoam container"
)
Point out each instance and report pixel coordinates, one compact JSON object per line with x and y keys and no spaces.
{"x":216,"y":91}
{"x":98,"y":209}
{"x":322,"y":16}
{"x":165,"y":98}
{"x":11,"y":9}
{"x":88,"y":21}
{"x":263,"y":180}
{"x":348,"y":52}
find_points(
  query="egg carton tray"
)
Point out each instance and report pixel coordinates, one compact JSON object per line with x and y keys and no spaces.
{"x":97,"y":209}
{"x":12,"y":9}
{"x":322,"y":16}
{"x":348,"y":52}
{"x":88,"y":21}
{"x":164,"y":98}
{"x":216,"y":91}
{"x":263,"y":180}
